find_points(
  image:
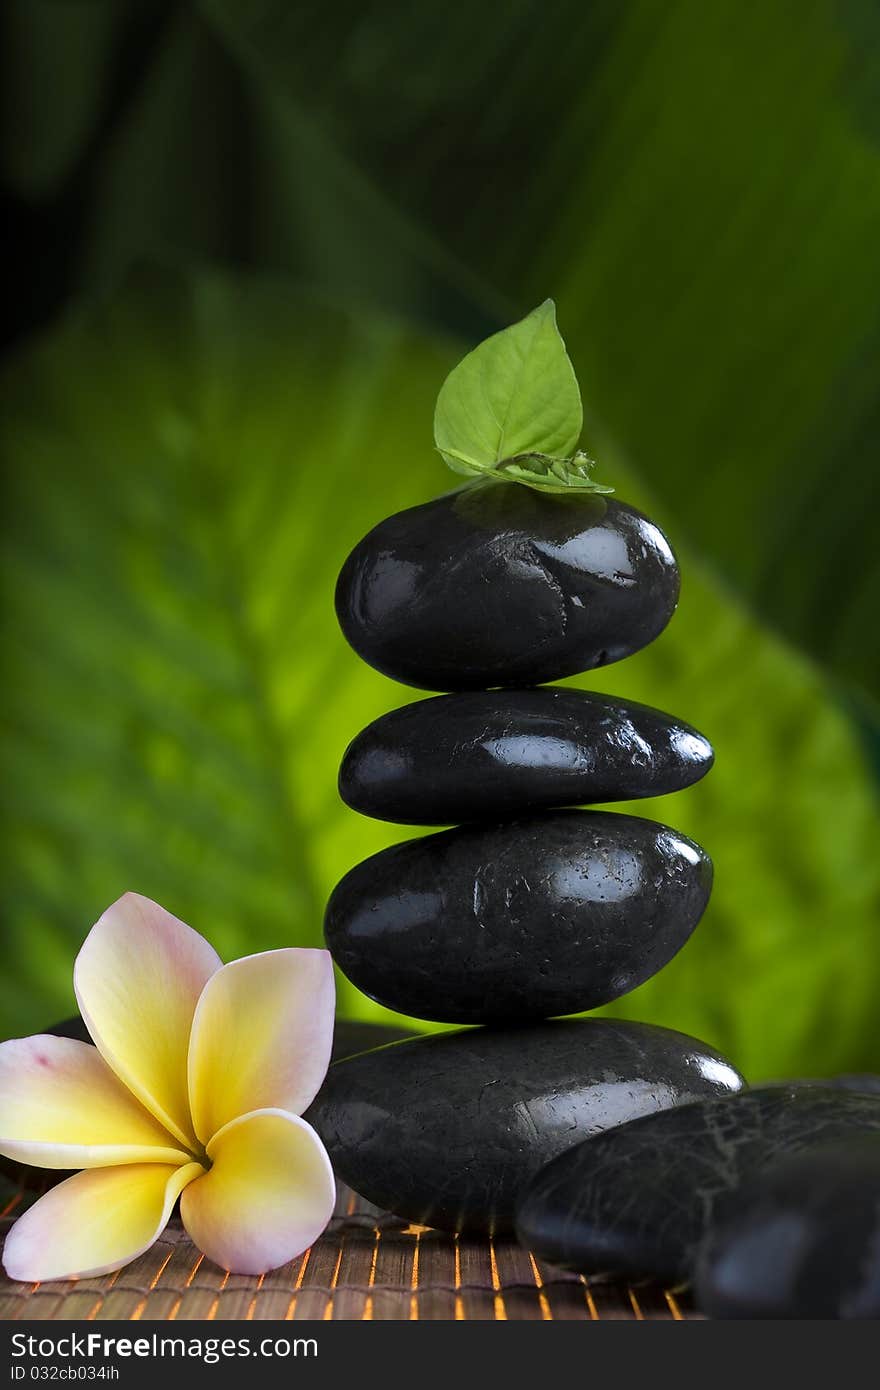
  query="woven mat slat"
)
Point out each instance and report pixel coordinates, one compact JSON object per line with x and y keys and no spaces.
{"x":368,"y":1265}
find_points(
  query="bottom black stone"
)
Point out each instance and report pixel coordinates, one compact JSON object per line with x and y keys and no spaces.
{"x":447,"y":1130}
{"x":801,"y":1240}
{"x":639,"y":1199}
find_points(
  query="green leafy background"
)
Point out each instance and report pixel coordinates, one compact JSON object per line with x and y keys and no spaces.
{"x":259,"y":237}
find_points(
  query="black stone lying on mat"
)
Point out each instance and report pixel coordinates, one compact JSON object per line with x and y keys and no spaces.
{"x":520,"y":920}
{"x":497,"y":585}
{"x":497,"y":753}
{"x":348,"y":1039}
{"x":800,"y":1240}
{"x":640,"y":1199}
{"x":446,"y":1130}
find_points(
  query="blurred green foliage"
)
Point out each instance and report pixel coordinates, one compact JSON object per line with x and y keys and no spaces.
{"x":190,"y":455}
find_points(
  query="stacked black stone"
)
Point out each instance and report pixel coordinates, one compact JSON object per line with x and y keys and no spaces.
{"x":528,"y":909}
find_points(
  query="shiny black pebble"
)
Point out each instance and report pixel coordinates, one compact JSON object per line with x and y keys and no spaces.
{"x":800,"y":1240}
{"x":479,"y":755}
{"x":446,"y":1130}
{"x":497,"y":585}
{"x":518,"y":921}
{"x":640,"y":1200}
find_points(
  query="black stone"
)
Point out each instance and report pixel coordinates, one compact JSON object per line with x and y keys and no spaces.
{"x":447,"y":1129}
{"x":490,"y":754}
{"x":640,"y":1200}
{"x":802,"y":1240}
{"x":518,"y":921}
{"x":497,"y":585}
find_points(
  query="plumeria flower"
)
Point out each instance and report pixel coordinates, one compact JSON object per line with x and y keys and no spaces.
{"x":194,"y":1090}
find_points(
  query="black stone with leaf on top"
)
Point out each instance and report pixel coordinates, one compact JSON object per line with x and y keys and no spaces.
{"x":527,"y":574}
{"x":496,"y":586}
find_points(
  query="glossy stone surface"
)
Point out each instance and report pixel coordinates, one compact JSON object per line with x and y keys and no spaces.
{"x":447,"y":1129}
{"x":516,"y":921}
{"x":640,"y":1200}
{"x":801,"y":1240}
{"x":495,"y":753}
{"x":497,"y":585}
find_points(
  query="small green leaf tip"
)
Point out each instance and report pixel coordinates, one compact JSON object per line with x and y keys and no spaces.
{"x":512,"y":409}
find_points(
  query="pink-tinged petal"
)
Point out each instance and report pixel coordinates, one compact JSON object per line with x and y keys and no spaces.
{"x":269,"y":1194}
{"x":261,"y":1037}
{"x":95,"y":1221}
{"x":138,"y":979}
{"x":62,"y":1107}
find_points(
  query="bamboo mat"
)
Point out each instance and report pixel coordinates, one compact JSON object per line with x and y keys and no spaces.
{"x":367,"y":1265}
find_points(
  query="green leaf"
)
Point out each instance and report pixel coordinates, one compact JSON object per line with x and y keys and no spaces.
{"x":185,"y":477}
{"x":512,"y":408}
{"x":546,"y":474}
{"x":516,"y":393}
